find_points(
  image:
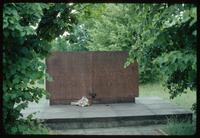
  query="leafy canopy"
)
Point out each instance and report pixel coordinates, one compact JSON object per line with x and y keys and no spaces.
{"x":28,"y":30}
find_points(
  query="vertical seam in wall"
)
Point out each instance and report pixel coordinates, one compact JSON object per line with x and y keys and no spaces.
{"x":92,"y":72}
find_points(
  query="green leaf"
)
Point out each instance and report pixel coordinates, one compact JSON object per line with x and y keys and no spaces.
{"x":48,"y":77}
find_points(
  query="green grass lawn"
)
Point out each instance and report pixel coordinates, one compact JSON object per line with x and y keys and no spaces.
{"x":155,"y":89}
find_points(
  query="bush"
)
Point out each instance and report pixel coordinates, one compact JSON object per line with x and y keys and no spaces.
{"x":28,"y":126}
{"x":177,"y":127}
{"x":28,"y":30}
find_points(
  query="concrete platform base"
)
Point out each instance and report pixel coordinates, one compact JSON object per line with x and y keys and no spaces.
{"x":131,"y":130}
{"x":145,"y":111}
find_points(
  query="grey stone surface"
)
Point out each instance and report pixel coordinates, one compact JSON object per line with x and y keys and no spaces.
{"x":107,"y":115}
{"x":134,"y":112}
{"x":170,"y":111}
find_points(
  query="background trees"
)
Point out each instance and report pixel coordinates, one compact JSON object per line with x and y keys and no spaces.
{"x":168,"y":42}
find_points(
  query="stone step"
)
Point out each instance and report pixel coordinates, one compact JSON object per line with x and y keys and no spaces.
{"x":145,"y":110}
{"x":108,"y":122}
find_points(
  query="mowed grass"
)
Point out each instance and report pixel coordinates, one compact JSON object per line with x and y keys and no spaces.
{"x":184,"y":100}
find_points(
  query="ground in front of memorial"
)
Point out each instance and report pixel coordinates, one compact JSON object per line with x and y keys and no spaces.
{"x":144,"y":117}
{"x":113,"y":110}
